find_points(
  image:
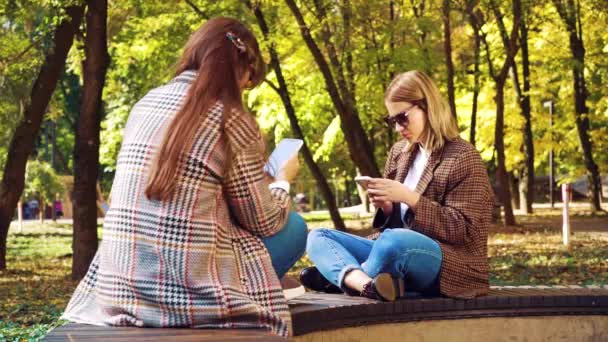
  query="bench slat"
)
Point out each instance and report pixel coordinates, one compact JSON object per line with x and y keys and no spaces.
{"x":85,"y":332}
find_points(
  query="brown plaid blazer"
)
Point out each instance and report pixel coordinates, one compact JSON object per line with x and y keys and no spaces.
{"x":454,"y":209}
{"x":196,"y":260}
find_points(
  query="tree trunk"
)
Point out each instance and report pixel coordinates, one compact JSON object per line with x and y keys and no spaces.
{"x":25,"y":135}
{"x":42,"y":210}
{"x":54,"y":145}
{"x":570,"y":14}
{"x":347,"y":197}
{"x":523,"y":99}
{"x":354,"y":134}
{"x":514,"y":184}
{"x":283,"y":92}
{"x":528,"y":175}
{"x":502,"y":178}
{"x":447,"y":48}
{"x":500,"y":77}
{"x":86,"y":147}
{"x":474,"y":22}
{"x":526,"y":178}
{"x":525,"y":196}
{"x":20,"y":215}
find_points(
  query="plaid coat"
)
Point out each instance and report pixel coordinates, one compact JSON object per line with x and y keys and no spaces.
{"x":454,"y":209}
{"x":196,"y":260}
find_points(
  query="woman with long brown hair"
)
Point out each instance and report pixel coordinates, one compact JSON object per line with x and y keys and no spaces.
{"x":197,"y":234}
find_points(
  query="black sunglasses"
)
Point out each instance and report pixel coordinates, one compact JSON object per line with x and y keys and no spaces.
{"x":400,"y":118}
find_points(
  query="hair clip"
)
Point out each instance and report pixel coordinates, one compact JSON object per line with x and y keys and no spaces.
{"x":236,"y":41}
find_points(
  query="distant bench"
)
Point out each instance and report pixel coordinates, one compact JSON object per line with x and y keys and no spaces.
{"x":561,"y":313}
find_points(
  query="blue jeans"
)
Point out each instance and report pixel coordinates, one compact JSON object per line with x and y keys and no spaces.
{"x":288,"y":245}
{"x":403,"y":253}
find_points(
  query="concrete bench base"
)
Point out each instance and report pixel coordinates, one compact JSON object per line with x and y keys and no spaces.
{"x":507,"y":314}
{"x":85,"y":332}
{"x":511,"y":329}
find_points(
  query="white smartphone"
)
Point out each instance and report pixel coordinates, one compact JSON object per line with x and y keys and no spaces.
{"x":363,"y":181}
{"x":285,"y":150}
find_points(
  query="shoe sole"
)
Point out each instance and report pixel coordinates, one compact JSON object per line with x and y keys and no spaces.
{"x":388,"y":288}
{"x":294,"y":292}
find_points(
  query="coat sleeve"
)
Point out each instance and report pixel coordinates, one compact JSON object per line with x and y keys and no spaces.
{"x":382,"y":221}
{"x":258,"y":209}
{"x":466,"y":204}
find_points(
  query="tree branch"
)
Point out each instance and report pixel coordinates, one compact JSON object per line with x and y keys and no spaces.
{"x":9,"y":60}
{"x":273,"y":86}
{"x":197,"y":10}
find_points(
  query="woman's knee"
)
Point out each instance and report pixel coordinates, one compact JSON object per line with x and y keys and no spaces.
{"x":386,"y":245}
{"x":298,"y":230}
{"x":398,"y":241}
{"x":394,"y":242}
{"x":314,"y":236}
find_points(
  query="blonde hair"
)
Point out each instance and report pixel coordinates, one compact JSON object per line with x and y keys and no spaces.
{"x":418,"y":89}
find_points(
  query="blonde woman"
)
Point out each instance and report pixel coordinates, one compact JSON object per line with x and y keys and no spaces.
{"x":433,"y":211}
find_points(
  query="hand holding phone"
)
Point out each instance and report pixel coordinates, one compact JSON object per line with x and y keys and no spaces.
{"x":363,"y":181}
{"x":386,"y":206}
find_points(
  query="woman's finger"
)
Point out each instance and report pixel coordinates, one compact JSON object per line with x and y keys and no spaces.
{"x":376,"y":192}
{"x":381,"y":199}
{"x":376,"y":181}
{"x":383,"y":184}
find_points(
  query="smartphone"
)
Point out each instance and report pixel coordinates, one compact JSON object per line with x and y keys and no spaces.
{"x":285,"y":150}
{"x":363,"y":180}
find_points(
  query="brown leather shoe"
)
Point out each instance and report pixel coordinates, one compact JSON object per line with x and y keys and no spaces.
{"x":384,"y":287}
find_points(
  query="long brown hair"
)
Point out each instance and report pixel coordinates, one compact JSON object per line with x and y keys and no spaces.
{"x":418,"y":88}
{"x":222,"y":51}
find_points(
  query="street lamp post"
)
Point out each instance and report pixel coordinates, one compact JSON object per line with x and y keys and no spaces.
{"x":549,"y":104}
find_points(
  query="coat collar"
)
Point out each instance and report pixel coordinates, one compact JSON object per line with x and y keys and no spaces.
{"x":187,"y":76}
{"x":406,"y":159}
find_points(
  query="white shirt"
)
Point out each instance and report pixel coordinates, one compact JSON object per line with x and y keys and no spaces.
{"x":280,"y":184}
{"x":414,"y":174}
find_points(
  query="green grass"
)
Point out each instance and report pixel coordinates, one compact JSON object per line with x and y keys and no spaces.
{"x":539,"y":258}
{"x":326,"y":218}
{"x":37,"y":286}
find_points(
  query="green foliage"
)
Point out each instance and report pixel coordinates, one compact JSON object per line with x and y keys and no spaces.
{"x":19,"y":61}
{"x":41,"y":181}
{"x":145,"y":41}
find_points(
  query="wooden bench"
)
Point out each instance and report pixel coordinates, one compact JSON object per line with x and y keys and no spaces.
{"x":507,"y":313}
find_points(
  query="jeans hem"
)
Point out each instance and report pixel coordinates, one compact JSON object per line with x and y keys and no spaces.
{"x":344,"y":272}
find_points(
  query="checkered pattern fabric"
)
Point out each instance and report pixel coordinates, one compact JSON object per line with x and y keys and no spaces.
{"x":195,"y":260}
{"x":454,"y":209}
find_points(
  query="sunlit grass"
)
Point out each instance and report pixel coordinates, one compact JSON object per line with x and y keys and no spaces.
{"x":36,"y":286}
{"x":541,"y":258}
